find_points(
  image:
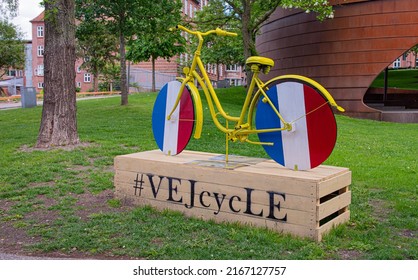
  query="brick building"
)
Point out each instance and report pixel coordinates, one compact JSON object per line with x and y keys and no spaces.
{"x":407,"y":60}
{"x":168,"y":70}
{"x":83,"y":79}
{"x":139,"y":74}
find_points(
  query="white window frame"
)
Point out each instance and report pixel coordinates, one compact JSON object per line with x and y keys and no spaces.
{"x":40,"y":85}
{"x":87,"y":77}
{"x":397,"y":63}
{"x":40,"y":51}
{"x":40,"y":31}
{"x":40,"y":70}
{"x":232,"y":68}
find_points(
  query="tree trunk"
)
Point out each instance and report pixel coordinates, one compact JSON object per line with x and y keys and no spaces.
{"x":123,"y":84}
{"x":59,"y":119}
{"x":246,"y":30}
{"x":249,"y":45}
{"x":95,"y":82}
{"x":153,"y":74}
{"x":95,"y":73}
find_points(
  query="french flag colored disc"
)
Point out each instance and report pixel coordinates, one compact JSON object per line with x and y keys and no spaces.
{"x":314,"y":132}
{"x":172,"y":135}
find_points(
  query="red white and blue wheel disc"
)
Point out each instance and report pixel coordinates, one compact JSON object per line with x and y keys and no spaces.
{"x":315,"y":131}
{"x":172,"y":136}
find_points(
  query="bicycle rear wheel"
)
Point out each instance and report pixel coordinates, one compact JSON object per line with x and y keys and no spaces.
{"x":314,"y":132}
{"x":172,"y":136}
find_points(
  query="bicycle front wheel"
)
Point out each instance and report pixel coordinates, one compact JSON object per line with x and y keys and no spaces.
{"x":172,"y":135}
{"x":314,"y":130}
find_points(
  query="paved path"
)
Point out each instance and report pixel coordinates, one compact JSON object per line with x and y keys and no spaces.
{"x":17,"y":105}
{"x":18,"y":257}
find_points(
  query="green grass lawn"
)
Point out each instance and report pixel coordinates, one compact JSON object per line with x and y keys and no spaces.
{"x":61,"y":201}
{"x":403,"y":78}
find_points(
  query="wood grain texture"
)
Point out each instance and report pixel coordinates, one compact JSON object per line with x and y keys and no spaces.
{"x":259,"y":193}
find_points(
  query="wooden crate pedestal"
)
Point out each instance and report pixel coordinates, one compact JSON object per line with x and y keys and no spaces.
{"x":252,"y":191}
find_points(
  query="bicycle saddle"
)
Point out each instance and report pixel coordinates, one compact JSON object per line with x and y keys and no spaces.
{"x":264,"y":62}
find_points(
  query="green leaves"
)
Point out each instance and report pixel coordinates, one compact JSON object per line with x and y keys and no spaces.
{"x":153,"y":40}
{"x":8,"y":7}
{"x":249,"y":15}
{"x":11,"y":47}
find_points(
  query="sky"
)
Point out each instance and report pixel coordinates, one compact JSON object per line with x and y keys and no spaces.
{"x":28,"y":10}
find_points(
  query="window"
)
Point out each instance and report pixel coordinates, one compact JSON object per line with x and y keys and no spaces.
{"x":234,"y":82}
{"x":232,"y":67}
{"x":40,"y":85}
{"x":40,"y":70}
{"x":78,"y":69}
{"x":78,"y":85}
{"x":40,"y":31}
{"x":397,"y":63}
{"x":87,"y":77}
{"x":40,"y":51}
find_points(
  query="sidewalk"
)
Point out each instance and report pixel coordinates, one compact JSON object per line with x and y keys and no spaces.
{"x":17,"y":105}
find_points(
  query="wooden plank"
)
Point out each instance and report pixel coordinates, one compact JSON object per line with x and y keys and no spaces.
{"x":294,"y":229}
{"x":126,"y":180}
{"x":333,"y":205}
{"x":223,"y":176}
{"x":325,"y":228}
{"x":251,"y":191}
{"x":333,"y":184}
{"x":211,"y":207}
{"x":215,"y":203}
{"x":267,"y":173}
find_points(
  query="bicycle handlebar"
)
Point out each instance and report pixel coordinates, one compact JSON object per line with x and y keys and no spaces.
{"x":217,"y":31}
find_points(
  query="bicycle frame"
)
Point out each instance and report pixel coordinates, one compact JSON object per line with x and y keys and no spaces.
{"x":242,"y":127}
{"x":244,"y":122}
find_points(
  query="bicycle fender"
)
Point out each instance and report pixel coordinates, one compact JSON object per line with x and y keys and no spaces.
{"x":198,"y":110}
{"x":307,"y":80}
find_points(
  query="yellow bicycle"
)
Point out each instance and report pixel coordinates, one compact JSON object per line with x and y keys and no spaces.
{"x":291,"y":114}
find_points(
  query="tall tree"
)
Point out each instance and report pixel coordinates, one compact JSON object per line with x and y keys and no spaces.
{"x":119,"y":17}
{"x":97,"y":46}
{"x":249,"y":15}
{"x":155,"y":41}
{"x":12,"y":50}
{"x":221,"y":50}
{"x":8,"y":8}
{"x":59,"y":123}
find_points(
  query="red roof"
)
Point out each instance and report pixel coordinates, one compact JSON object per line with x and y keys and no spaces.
{"x":40,"y":17}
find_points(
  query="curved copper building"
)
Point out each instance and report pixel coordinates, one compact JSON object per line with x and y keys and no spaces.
{"x":344,"y":54}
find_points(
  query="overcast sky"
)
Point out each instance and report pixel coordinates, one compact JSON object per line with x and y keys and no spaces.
{"x":28,"y":10}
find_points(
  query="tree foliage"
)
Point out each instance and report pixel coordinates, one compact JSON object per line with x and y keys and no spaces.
{"x":155,"y":40}
{"x":125,"y":18}
{"x":97,"y":46}
{"x":12,"y":49}
{"x":8,"y":8}
{"x":249,"y":15}
{"x":221,"y":50}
